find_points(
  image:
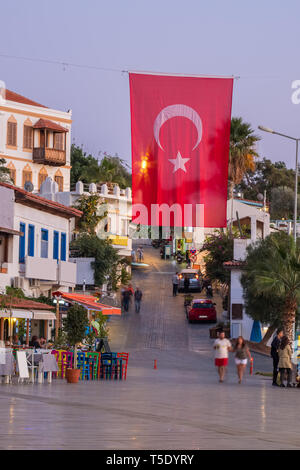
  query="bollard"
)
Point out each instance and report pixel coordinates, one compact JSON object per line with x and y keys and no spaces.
{"x":155,"y":364}
{"x":251,"y":366}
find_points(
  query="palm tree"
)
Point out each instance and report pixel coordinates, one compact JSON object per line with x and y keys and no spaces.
{"x":241,"y":152}
{"x":279,"y":274}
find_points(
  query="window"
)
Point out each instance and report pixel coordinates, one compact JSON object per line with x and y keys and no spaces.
{"x":27,"y":174}
{"x":43,"y":134}
{"x":60,"y":182}
{"x":63,"y":246}
{"x":55,"y":245}
{"x":30,"y":240}
{"x":28,"y":137}
{"x":22,"y":243}
{"x":12,"y":133}
{"x":12,"y":173}
{"x":44,"y":243}
{"x":42,"y":176}
{"x":123,"y":227}
{"x":237,"y":311}
{"x":58,"y":140}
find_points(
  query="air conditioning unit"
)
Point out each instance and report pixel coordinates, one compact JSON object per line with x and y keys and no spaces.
{"x":18,"y":282}
{"x":34,"y":283}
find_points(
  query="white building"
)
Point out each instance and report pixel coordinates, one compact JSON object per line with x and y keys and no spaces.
{"x":35,"y":141}
{"x":34,"y":242}
{"x":119,"y":212}
{"x":259,"y":225}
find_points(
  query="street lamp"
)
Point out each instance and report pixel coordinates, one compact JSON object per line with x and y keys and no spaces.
{"x":267,"y":129}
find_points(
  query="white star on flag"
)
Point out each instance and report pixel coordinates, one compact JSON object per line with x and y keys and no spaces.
{"x":179,"y":162}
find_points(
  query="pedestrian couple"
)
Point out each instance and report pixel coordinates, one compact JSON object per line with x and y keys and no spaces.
{"x":281,"y":353}
{"x":127,"y":294}
{"x":222,"y":348}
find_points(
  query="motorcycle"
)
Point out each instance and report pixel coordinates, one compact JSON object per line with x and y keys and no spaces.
{"x":179,"y":258}
{"x":209,"y":291}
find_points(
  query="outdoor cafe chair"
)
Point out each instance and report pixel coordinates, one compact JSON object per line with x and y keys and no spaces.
{"x":106,"y":366}
{"x":56,"y":354}
{"x":124,"y":364}
{"x":93,"y":364}
{"x":83,"y":363}
{"x":66,"y":362}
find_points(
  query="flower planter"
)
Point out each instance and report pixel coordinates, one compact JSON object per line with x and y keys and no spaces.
{"x":72,"y":375}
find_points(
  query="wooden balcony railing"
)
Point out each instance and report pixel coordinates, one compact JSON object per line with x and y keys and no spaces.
{"x":49,"y":156}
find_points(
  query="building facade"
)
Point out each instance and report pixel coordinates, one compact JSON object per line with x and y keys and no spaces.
{"x":34,"y":243}
{"x":35,"y":141}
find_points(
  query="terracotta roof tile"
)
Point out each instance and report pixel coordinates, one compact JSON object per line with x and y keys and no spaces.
{"x":17,"y":302}
{"x":47,"y":124}
{"x":12,"y":96}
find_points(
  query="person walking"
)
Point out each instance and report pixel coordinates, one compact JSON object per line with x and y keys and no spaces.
{"x":274,"y":354}
{"x":126,"y":299}
{"x":222,"y":346}
{"x":186,"y":284}
{"x":175,"y":282}
{"x":133,"y":256}
{"x":285,"y":361}
{"x":137,"y":299}
{"x":241,"y":351}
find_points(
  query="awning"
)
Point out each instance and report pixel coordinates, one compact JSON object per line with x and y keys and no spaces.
{"x":16,"y":313}
{"x":89,"y":302}
{"x":43,"y":315}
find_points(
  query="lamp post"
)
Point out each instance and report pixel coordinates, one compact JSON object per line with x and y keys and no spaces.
{"x":267,"y":129}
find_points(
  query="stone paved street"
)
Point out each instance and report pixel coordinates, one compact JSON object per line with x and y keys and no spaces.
{"x":180,"y":405}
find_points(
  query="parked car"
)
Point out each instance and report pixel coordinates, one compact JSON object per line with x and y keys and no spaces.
{"x":194,"y":277}
{"x":201,"y":310}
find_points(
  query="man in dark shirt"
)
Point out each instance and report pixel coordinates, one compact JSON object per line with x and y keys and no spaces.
{"x":274,"y":354}
{"x":138,"y":298}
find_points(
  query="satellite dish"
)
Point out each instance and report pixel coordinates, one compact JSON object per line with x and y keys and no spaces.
{"x":28,"y":186}
{"x":260,"y":197}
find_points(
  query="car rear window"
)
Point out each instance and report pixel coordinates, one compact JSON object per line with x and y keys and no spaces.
{"x":189,"y":275}
{"x":199,"y":305}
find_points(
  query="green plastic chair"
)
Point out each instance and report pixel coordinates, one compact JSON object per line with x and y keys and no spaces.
{"x":94,"y":357}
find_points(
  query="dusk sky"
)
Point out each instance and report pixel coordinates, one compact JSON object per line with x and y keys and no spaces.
{"x":258,"y":41}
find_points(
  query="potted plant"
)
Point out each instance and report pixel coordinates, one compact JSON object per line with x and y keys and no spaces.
{"x":75,"y":325}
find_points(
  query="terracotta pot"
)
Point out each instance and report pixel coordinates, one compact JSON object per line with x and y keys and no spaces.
{"x":72,"y":375}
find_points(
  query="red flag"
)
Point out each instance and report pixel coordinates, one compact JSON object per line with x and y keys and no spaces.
{"x":180,"y":129}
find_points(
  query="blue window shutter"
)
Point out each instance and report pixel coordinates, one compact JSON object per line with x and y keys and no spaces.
{"x":22,"y":244}
{"x":55,"y":245}
{"x":63,"y":246}
{"x":30,"y":240}
{"x":44,"y":243}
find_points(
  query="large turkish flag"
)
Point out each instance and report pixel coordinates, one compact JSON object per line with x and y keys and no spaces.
{"x":180,"y":128}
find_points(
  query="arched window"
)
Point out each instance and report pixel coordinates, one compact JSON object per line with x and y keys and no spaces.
{"x":12,"y":171}
{"x":11,"y":140}
{"x":27,"y":135}
{"x":26,"y":175}
{"x":59,"y":179}
{"x":42,"y":176}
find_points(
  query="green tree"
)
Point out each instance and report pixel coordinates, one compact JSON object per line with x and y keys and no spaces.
{"x":4,"y":172}
{"x":86,"y":168}
{"x":263,"y":307}
{"x":83,"y":166}
{"x":278,"y":274}
{"x":266,"y":176}
{"x":242,"y":152}
{"x":220,"y":249}
{"x":106,"y":256}
{"x":89,"y":205}
{"x":74,"y":326}
{"x":282,"y":203}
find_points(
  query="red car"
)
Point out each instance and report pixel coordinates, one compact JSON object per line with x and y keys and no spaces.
{"x":201,"y":310}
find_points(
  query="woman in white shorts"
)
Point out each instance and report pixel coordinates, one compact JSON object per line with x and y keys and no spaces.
{"x":241,"y":351}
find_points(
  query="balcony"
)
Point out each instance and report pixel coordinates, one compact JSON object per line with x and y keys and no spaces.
{"x":49,"y":156}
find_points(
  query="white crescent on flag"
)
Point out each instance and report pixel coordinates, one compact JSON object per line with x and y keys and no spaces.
{"x":175,"y":110}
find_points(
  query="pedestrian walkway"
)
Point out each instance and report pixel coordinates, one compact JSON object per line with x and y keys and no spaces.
{"x":179,"y":405}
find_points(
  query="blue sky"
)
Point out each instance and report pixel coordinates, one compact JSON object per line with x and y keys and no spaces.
{"x":256,"y":40}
